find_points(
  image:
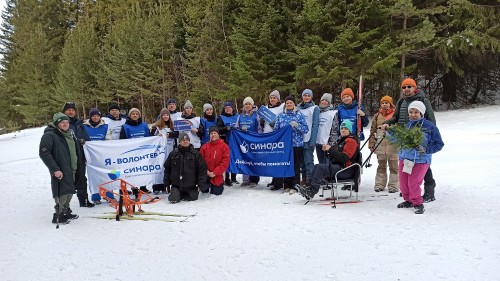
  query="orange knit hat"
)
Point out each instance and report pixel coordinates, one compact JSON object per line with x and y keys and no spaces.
{"x":387,"y":99}
{"x":409,"y":82}
{"x":347,"y":91}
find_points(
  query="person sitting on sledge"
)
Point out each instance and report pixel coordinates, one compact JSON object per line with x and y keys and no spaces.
{"x":341,"y":155}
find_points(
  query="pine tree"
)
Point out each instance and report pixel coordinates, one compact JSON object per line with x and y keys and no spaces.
{"x":75,"y":81}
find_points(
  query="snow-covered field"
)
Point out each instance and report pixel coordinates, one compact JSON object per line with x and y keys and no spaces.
{"x":257,"y":234}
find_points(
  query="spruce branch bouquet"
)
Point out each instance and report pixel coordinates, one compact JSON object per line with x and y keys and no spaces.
{"x":407,"y":138}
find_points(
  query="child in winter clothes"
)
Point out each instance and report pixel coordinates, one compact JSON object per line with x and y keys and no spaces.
{"x":420,"y":158}
{"x":348,"y":110}
{"x":292,"y":117}
{"x":385,"y":151}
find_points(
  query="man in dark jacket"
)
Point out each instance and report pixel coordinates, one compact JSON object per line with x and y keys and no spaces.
{"x":60,"y":152}
{"x":76,"y":125}
{"x":185,"y":171}
{"x":411,"y":94}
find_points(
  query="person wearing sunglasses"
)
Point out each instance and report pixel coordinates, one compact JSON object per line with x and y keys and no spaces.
{"x":410,"y":94}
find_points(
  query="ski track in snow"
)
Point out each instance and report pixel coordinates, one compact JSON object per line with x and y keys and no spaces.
{"x":258,"y":234}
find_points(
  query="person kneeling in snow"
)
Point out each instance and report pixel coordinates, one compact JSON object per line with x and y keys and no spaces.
{"x":185,"y":171}
{"x":341,"y":155}
{"x":216,"y":155}
{"x":61,"y":153}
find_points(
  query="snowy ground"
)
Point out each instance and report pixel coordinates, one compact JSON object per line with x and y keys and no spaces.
{"x":263,"y":235}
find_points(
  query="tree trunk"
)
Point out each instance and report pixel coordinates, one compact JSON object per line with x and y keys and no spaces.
{"x":450,"y":86}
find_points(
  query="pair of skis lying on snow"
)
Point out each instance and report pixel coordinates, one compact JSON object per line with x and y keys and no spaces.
{"x":332,"y":202}
{"x":148,"y":216}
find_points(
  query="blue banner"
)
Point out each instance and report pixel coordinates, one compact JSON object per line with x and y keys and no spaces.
{"x":266,"y":114}
{"x":268,"y":155}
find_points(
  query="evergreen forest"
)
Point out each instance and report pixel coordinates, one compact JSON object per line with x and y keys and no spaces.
{"x":140,"y":53}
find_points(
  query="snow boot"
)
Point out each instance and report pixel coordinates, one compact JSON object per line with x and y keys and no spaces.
{"x":62,"y":219}
{"x":429,"y":192}
{"x":84,"y":202}
{"x":405,"y":204}
{"x":419,"y":209}
{"x":145,"y":190}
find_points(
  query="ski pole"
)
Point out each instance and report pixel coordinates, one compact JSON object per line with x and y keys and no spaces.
{"x":58,"y":202}
{"x":375,"y":148}
{"x":368,"y":139}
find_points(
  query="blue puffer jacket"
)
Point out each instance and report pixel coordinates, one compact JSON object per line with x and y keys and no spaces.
{"x":350,"y":112}
{"x":285,"y":118}
{"x":432,"y":143}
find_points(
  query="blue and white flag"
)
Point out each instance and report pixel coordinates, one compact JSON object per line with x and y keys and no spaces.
{"x":266,"y":114}
{"x":182,"y":125}
{"x":137,"y":161}
{"x":269,"y":155}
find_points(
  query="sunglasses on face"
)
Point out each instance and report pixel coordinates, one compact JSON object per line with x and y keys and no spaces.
{"x":407,"y":87}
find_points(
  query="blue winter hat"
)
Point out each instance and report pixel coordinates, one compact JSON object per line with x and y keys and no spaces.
{"x":228,"y":103}
{"x":307,"y":92}
{"x":94,"y":111}
{"x":347,"y":124}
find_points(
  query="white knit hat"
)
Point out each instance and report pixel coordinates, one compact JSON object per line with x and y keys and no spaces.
{"x":207,"y":106}
{"x":188,"y":104}
{"x":248,"y":100}
{"x":327,"y":97}
{"x":275,"y":93}
{"x":418,"y":105}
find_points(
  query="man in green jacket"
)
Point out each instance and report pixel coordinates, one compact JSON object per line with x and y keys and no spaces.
{"x":60,"y":152}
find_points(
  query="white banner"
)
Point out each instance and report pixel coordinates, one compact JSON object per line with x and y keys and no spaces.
{"x":137,"y":161}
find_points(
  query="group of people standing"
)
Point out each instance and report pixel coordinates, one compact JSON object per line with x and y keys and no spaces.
{"x":198,"y":158}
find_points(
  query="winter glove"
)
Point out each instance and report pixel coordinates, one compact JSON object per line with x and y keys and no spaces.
{"x":228,"y":128}
{"x":294,"y":124}
{"x":272,"y":124}
{"x":262,"y":122}
{"x":421,"y":149}
{"x":81,"y":141}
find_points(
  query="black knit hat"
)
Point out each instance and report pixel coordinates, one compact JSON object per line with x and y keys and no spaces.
{"x":94,"y":111}
{"x":114,"y":106}
{"x":213,"y":129}
{"x":292,"y":98}
{"x":69,"y":105}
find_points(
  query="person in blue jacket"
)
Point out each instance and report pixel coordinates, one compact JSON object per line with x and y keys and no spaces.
{"x":97,"y":131}
{"x":311,"y":112}
{"x":414,"y":162}
{"x":208,"y":120}
{"x":249,"y":121}
{"x":225,"y":122}
{"x":135,"y":128}
{"x":348,"y":110}
{"x":292,"y":117}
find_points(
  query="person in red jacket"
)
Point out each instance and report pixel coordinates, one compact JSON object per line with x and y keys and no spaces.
{"x":216,"y":155}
